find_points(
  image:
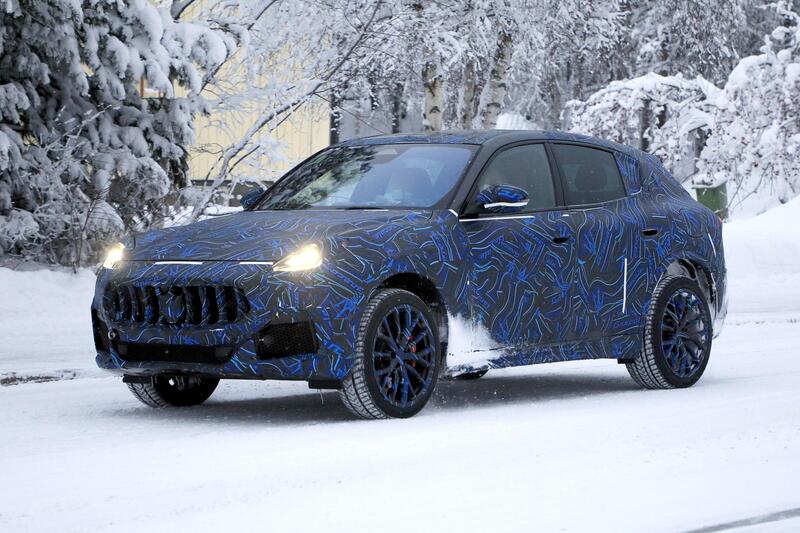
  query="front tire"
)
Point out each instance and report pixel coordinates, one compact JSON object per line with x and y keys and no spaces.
{"x":397,"y":358}
{"x":174,"y":391}
{"x":677,"y":338}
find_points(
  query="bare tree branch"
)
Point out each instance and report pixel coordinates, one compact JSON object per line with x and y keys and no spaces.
{"x":224,"y":161}
{"x":178,"y":7}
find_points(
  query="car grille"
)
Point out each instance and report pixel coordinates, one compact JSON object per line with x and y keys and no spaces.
{"x":200,"y":305}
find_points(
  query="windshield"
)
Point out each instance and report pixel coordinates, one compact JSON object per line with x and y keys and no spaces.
{"x":377,"y":176}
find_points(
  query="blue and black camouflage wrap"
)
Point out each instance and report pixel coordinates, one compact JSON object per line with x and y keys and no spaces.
{"x":568,"y":283}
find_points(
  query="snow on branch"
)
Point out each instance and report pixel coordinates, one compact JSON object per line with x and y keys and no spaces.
{"x":84,"y":156}
{"x":746,"y":134}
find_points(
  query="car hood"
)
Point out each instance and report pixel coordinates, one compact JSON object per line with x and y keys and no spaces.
{"x":261,"y":235}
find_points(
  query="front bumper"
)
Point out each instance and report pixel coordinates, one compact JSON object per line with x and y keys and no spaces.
{"x":321,"y":298}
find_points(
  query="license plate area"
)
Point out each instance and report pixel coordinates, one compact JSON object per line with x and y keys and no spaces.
{"x":173,"y":353}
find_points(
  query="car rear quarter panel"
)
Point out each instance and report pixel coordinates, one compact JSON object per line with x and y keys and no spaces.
{"x":691,"y":232}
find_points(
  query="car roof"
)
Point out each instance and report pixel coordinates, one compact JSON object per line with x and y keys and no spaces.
{"x":492,"y":137}
{"x":434,"y":137}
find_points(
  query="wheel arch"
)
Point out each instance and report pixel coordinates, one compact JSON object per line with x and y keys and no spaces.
{"x":426,"y":290}
{"x":696,"y":270}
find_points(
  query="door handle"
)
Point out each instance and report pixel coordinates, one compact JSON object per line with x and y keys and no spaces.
{"x":650,"y":232}
{"x":561,"y":240}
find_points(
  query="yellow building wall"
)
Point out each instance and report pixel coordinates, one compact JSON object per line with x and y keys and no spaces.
{"x":305,"y":132}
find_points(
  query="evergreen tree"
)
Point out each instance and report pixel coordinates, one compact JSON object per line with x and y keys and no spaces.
{"x":83,"y":154}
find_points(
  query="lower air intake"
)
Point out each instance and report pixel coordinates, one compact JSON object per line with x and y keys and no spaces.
{"x":284,"y":340}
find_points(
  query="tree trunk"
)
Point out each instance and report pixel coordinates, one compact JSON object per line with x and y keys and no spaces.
{"x":398,"y":107}
{"x":644,"y":126}
{"x":434,"y":98}
{"x":621,"y":68}
{"x":467,"y":111}
{"x":335,"y":117}
{"x":497,"y":82}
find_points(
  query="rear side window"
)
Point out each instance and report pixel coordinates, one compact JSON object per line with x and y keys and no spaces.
{"x":590,"y":176}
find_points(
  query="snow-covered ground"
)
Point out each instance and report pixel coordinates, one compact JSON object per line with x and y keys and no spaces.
{"x":45,"y":326}
{"x":564,"y":447}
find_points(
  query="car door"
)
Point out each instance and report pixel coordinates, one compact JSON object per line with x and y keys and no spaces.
{"x":522,"y":263}
{"x":610,"y":274}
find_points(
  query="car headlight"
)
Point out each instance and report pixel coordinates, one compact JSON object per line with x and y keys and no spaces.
{"x":114,"y":255}
{"x":306,"y":258}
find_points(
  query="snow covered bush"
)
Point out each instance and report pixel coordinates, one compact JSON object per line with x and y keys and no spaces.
{"x":755,"y":144}
{"x":746,"y":134}
{"x":665,"y":115}
{"x":83,"y":154}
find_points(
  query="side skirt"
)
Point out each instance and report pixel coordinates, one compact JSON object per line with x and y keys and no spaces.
{"x":621,"y":347}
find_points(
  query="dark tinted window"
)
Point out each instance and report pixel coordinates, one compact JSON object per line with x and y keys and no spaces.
{"x":591,"y":176}
{"x":525,"y":167}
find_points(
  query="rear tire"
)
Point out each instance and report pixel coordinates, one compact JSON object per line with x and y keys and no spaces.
{"x":174,"y":391}
{"x":677,"y":336}
{"x":397,"y":358}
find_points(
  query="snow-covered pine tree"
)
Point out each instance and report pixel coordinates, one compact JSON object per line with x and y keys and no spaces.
{"x":606,"y":40}
{"x":83,"y":154}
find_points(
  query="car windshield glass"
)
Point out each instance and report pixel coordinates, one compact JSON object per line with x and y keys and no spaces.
{"x":375,"y":176}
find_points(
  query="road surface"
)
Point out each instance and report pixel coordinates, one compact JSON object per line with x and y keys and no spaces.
{"x":561,"y":447}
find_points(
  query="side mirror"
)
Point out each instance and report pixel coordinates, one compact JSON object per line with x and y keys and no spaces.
{"x":502,"y":199}
{"x":250,"y":199}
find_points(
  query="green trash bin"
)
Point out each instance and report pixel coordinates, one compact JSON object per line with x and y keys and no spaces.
{"x":715,"y":198}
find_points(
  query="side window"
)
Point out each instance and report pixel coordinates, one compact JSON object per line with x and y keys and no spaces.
{"x":590,"y":176}
{"x":525,"y":167}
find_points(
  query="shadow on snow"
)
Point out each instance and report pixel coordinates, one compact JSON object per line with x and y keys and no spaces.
{"x":314,"y":407}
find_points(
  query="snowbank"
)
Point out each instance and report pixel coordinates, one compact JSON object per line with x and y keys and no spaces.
{"x":45,"y":325}
{"x":763,"y":258}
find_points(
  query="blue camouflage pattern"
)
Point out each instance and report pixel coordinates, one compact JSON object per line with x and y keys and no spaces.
{"x":563,"y":284}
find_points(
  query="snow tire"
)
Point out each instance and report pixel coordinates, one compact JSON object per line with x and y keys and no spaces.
{"x":358,"y":392}
{"x":650,"y":368}
{"x":174,"y":391}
